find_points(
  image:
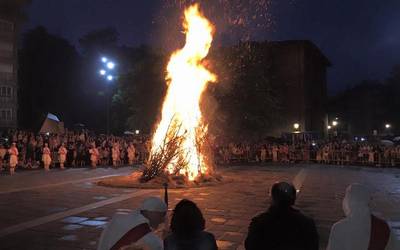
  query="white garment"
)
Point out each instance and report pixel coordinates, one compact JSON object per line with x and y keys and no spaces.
{"x":353,"y":232}
{"x":120,"y":224}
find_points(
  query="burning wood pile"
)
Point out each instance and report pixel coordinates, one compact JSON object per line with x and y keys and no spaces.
{"x":179,"y":142}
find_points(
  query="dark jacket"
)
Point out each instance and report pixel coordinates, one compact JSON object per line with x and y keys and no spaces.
{"x":282,"y":229}
{"x":200,"y":241}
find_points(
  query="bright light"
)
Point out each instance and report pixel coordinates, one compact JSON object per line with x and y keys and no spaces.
{"x":137,"y":132}
{"x":329,"y":127}
{"x":110,"y":65}
{"x":335,"y":123}
{"x":296,"y":126}
{"x":388,"y":126}
{"x":187,"y":79}
{"x":110,"y":77}
{"x":102,"y":72}
{"x":104,"y":59}
{"x":362,"y":139}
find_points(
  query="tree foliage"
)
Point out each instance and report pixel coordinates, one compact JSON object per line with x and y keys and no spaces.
{"x":47,"y":77}
{"x":369,"y":105}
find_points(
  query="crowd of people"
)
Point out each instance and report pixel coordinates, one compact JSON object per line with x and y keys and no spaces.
{"x":27,"y":150}
{"x":71,"y":149}
{"x":324,"y":152}
{"x":281,"y":227}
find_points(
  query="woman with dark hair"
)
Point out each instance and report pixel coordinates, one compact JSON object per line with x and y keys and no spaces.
{"x":187,"y":229}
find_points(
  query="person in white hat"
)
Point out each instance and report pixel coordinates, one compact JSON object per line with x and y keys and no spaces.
{"x":360,"y":229}
{"x":135,"y":230}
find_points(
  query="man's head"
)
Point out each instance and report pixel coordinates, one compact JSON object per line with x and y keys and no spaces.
{"x":154,"y":209}
{"x":283,"y":194}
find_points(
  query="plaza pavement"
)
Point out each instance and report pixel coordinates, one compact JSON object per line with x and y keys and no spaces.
{"x":67,"y":210}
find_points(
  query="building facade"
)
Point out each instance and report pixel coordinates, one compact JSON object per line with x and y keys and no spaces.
{"x":8,"y":73}
{"x":301,"y":68}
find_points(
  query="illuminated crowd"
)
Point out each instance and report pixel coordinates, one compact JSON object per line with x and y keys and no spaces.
{"x":26,"y":150}
{"x":324,"y":152}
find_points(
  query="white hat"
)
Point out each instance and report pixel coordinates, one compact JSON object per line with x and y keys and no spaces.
{"x":153,"y":204}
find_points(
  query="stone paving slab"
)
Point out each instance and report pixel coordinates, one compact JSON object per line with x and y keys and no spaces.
{"x":228,"y":208}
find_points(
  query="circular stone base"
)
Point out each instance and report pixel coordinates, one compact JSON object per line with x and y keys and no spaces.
{"x":133,"y":181}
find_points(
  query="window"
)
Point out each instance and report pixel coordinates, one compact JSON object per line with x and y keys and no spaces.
{"x":6,"y":114}
{"x":6,"y":46}
{"x":6,"y":26}
{"x":6,"y":68}
{"x":6,"y":91}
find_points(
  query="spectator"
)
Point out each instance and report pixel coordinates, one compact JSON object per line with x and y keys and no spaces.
{"x":187,"y":226}
{"x":360,"y":229}
{"x":134,"y":230}
{"x":282,"y":227}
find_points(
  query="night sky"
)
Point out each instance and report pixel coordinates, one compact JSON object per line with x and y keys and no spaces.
{"x":360,"y":37}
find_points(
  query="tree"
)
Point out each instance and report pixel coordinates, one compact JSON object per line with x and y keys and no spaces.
{"x":100,"y":40}
{"x":141,"y":91}
{"x":48,"y":67}
{"x":246,"y":93}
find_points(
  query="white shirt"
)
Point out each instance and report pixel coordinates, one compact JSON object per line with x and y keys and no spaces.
{"x":353,"y":232}
{"x":120,"y":224}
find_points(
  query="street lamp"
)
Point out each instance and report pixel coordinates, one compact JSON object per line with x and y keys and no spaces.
{"x":110,"y":65}
{"x":106,"y":71}
{"x":335,"y":123}
{"x":388,"y":126}
{"x":329,"y":127}
{"x":296,"y":126}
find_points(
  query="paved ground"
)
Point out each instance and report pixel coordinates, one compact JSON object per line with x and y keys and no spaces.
{"x":66,"y":210}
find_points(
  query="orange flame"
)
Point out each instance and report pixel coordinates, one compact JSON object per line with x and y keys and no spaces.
{"x":187,"y":79}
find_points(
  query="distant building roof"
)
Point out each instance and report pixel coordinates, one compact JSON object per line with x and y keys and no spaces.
{"x":306,"y":44}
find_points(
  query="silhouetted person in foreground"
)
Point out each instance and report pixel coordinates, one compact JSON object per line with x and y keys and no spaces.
{"x":187,"y":227}
{"x":360,"y":229}
{"x":282,"y":227}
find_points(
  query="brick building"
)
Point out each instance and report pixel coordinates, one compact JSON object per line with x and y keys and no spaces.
{"x":302,"y":70}
{"x":8,"y":73}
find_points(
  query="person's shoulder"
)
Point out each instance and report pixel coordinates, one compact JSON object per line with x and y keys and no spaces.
{"x":208,"y":235}
{"x":261,"y":218}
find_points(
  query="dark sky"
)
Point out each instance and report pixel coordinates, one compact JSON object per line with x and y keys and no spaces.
{"x":360,"y":37}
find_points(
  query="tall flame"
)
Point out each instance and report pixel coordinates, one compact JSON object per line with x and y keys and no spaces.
{"x":187,"y":79}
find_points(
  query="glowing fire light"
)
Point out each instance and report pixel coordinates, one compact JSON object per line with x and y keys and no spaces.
{"x":187,"y":79}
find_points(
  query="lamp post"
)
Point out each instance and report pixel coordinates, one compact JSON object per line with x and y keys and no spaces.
{"x":388,"y":127}
{"x":107,"y":73}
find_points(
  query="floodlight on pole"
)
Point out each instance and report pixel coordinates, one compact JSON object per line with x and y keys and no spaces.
{"x":110,"y":65}
{"x":110,"y":77}
{"x":102,"y":72}
{"x":104,"y":59}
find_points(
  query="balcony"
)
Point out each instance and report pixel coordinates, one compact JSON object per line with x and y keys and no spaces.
{"x":7,"y":37}
{"x":9,"y":101}
{"x":8,"y":123}
{"x":7,"y":82}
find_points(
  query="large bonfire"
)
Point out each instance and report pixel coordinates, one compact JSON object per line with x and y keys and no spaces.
{"x":178,"y":144}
